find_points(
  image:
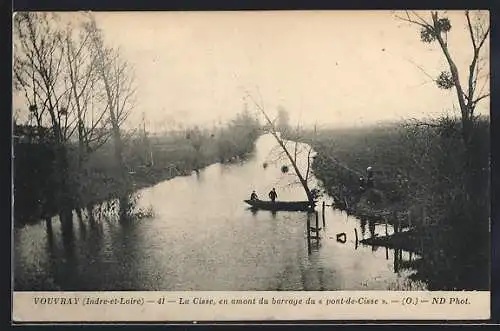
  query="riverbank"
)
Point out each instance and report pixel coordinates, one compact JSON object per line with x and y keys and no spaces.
{"x":149,"y":159}
{"x":420,"y":173}
{"x":109,"y":187}
{"x":187,"y":240}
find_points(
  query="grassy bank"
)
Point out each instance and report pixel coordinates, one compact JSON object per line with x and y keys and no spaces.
{"x":163,"y":158}
{"x":426,"y":182}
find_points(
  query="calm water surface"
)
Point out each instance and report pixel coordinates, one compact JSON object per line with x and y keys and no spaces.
{"x":203,"y":237}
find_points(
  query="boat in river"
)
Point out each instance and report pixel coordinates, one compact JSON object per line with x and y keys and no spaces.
{"x":280,"y":205}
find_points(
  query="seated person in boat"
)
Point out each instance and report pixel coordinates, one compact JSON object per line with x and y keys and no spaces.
{"x":273,"y":195}
{"x":254,"y":196}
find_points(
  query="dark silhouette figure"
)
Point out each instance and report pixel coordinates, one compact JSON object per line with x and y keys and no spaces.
{"x":362,"y":184}
{"x":369,"y":177}
{"x":254,"y":196}
{"x":273,"y":195}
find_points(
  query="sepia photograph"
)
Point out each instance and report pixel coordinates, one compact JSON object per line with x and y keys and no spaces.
{"x":251,"y":151}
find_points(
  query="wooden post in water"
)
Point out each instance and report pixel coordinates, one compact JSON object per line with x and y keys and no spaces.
{"x":356,"y":234}
{"x":317,"y":225}
{"x":396,"y":222}
{"x":323,"y":214}
{"x":396,"y":262}
{"x":308,"y":228}
{"x":386,"y":232}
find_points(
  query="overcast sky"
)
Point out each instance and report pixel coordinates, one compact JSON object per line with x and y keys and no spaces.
{"x":330,"y":67}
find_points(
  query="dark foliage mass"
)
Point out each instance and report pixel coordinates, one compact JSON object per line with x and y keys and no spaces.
{"x":428,"y":180}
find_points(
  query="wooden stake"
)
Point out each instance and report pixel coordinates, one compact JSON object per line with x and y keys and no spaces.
{"x":323,"y":214}
{"x":317,"y":225}
{"x":308,"y":228}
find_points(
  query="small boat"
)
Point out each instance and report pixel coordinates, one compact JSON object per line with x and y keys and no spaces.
{"x":280,"y":205}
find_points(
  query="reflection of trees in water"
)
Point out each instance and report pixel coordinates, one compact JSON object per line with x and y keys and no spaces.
{"x":450,"y":263}
{"x":121,"y":209}
{"x":50,"y":245}
{"x":128,"y":257}
{"x":64,"y":266}
{"x":82,"y":226}
{"x":67,"y":231}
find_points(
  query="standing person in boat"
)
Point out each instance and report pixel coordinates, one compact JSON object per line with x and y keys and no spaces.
{"x":254,"y":196}
{"x":273,"y":195}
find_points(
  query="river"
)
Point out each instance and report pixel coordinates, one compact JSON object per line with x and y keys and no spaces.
{"x":203,"y":237}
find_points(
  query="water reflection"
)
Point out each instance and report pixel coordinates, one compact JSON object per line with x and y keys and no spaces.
{"x":203,"y":237}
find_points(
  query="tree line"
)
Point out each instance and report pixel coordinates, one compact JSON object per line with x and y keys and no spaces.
{"x":74,"y":84}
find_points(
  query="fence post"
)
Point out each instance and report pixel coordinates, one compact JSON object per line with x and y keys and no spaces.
{"x":323,"y":214}
{"x":308,"y":228}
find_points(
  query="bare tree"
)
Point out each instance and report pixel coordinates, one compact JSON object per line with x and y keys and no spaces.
{"x":436,"y":29}
{"x":303,"y":179}
{"x":118,"y":84}
{"x":38,"y":71}
{"x":54,"y":68}
{"x":117,"y":81}
{"x":92,"y":122}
